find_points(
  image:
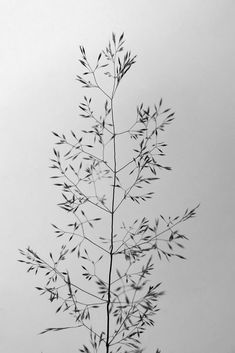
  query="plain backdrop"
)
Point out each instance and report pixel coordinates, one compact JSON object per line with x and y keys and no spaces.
{"x":186,"y":55}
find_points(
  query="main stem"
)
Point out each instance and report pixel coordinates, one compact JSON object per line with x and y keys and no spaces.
{"x":112,"y":231}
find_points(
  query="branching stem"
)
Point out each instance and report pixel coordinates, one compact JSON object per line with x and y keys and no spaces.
{"x":112,"y":219}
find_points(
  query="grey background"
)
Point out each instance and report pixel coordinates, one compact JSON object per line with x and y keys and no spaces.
{"x":185,"y":55}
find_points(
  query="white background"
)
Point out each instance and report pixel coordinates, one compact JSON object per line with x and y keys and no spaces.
{"x":185,"y":55}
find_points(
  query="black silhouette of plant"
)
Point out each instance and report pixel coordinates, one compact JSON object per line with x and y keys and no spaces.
{"x":115,"y":257}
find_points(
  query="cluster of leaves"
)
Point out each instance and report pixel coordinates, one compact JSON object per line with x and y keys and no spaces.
{"x":93,"y":182}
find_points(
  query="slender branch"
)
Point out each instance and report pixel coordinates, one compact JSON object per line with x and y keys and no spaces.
{"x":128,"y":191}
{"x":82,"y":193}
{"x":72,"y":284}
{"x":88,"y":239}
{"x":112,"y":218}
{"x":99,"y":159}
{"x":150,"y":239}
{"x":98,"y":86}
{"x":129,"y":311}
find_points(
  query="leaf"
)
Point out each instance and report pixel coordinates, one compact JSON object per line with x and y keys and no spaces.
{"x":38,"y":288}
{"x":58,"y":309}
{"x":99,"y":57}
{"x":181,"y":257}
{"x":121,"y":37}
{"x":73,"y":134}
{"x":54,"y":329}
{"x":118,"y":273}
